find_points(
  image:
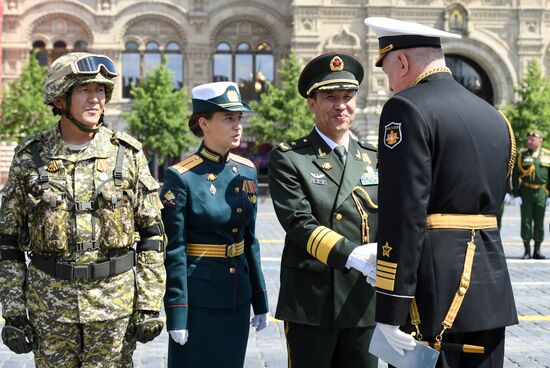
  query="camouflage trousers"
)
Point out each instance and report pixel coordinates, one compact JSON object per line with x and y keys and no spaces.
{"x":68,"y":345}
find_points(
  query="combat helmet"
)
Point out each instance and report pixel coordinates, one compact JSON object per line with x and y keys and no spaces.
{"x":74,"y":69}
{"x":78,"y":68}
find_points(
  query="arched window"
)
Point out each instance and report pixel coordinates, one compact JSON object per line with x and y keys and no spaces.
{"x":131,"y":68}
{"x":470,"y":75}
{"x":174,"y":62}
{"x":80,"y":46}
{"x":59,"y":48}
{"x":250,"y":67}
{"x":136,"y":63}
{"x":223,"y":63}
{"x":41,"y":53}
{"x":151,"y":58}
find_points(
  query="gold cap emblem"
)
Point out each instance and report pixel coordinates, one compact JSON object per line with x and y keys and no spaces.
{"x":233,"y":96}
{"x":336,"y":64}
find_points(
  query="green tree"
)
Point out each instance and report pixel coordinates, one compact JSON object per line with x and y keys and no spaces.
{"x":23,"y":110}
{"x":282,"y":114}
{"x":531,"y":110}
{"x":159,"y":116}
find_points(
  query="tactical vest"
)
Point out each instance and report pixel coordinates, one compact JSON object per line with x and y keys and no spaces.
{"x":53,"y":212}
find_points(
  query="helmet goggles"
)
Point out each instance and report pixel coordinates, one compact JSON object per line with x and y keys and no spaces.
{"x":89,"y":65}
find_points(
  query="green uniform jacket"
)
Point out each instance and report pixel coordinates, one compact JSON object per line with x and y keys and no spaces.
{"x":532,"y":169}
{"x":312,"y":197}
{"x":46,"y":221}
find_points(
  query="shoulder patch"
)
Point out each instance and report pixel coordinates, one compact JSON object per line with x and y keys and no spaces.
{"x":21,"y":146}
{"x":297,"y":143}
{"x":392,"y":135}
{"x":187,"y":164}
{"x":241,"y":160}
{"x":128,"y":139}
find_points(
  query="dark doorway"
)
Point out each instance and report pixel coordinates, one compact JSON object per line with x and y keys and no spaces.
{"x":470,"y":75}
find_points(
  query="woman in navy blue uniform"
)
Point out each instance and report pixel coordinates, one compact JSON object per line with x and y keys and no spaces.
{"x":213,"y":256}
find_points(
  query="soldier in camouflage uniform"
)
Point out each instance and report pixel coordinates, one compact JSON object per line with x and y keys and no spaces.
{"x":77,"y":199}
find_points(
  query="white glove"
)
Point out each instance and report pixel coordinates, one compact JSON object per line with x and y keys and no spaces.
{"x":518,"y":201}
{"x":363,"y":258}
{"x":179,"y":336}
{"x":371,"y":276}
{"x":507,"y":198}
{"x":259,"y":321}
{"x":397,"y":339}
{"x":547,"y":201}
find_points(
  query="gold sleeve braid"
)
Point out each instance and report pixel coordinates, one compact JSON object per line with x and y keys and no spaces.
{"x":513,"y":150}
{"x":321,"y":242}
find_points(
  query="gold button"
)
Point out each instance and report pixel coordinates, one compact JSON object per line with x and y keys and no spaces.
{"x":239,"y":210}
{"x":234,"y":169}
{"x":234,"y":230}
{"x":237,"y":190}
{"x":338,"y":216}
{"x":232,"y":270}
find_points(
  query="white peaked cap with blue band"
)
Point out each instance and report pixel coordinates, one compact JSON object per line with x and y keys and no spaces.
{"x":218,"y":96}
{"x":394,"y":34}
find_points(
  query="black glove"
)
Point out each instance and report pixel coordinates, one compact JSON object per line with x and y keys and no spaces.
{"x":18,"y":335}
{"x":144,"y":326}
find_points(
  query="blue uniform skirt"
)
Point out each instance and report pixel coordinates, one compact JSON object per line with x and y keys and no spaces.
{"x":217,"y":338}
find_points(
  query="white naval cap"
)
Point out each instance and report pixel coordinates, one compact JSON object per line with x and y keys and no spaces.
{"x":394,"y":34}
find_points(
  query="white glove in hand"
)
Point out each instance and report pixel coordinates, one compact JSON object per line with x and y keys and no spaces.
{"x":518,"y":201}
{"x":397,"y":339}
{"x":259,"y":321}
{"x":507,"y":198}
{"x":179,"y":336}
{"x":371,"y":276}
{"x":363,"y":258}
{"x":547,"y":201}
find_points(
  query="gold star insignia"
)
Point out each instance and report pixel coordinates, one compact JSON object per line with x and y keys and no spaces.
{"x":321,"y":153}
{"x":327,"y":166}
{"x":386,"y":249}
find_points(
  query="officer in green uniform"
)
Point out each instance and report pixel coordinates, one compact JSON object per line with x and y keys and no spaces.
{"x":324,"y":191}
{"x":75,"y":198}
{"x":213,"y":265}
{"x":530,"y":189}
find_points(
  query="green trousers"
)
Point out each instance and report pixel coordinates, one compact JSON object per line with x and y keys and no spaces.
{"x":532,"y":221}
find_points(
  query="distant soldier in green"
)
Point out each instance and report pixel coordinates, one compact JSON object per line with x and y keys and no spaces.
{"x":530,"y":190}
{"x":77,"y":199}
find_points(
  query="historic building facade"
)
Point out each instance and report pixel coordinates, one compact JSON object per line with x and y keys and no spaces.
{"x":245,"y":40}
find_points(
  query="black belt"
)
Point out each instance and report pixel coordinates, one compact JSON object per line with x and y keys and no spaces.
{"x":90,"y":271}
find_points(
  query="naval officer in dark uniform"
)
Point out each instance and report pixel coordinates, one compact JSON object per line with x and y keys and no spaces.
{"x":444,"y":159}
{"x":323,"y":188}
{"x":213,"y":255}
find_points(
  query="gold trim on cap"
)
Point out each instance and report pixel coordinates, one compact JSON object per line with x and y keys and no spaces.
{"x":332,"y":81}
{"x":383,"y":52}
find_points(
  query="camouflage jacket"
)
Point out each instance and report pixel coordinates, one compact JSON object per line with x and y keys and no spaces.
{"x":47,"y":221}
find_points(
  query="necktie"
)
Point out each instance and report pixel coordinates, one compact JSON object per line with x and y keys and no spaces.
{"x":341,"y":153}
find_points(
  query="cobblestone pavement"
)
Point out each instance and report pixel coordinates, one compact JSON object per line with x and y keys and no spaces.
{"x":526,"y":344}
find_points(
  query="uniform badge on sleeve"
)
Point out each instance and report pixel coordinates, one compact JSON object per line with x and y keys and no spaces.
{"x":392,"y":135}
{"x":168,"y":199}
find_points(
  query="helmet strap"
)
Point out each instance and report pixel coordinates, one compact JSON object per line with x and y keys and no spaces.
{"x":77,"y":123}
